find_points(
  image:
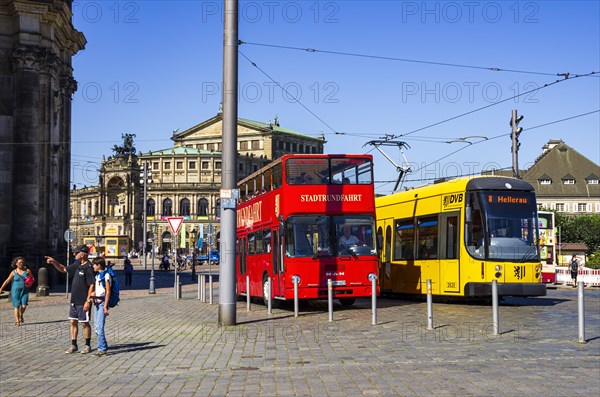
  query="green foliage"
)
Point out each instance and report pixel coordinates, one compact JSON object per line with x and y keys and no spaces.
{"x":593,"y":260}
{"x":580,"y":229}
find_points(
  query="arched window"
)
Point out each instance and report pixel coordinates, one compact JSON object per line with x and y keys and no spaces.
{"x":151,"y":207}
{"x":167,"y":207}
{"x":184,"y":207}
{"x":203,"y":207}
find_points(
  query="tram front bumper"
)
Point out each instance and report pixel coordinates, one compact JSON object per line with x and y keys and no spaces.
{"x":505,"y":289}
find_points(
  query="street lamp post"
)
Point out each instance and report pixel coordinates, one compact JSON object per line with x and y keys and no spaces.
{"x":194,"y":233}
{"x":152,"y":290}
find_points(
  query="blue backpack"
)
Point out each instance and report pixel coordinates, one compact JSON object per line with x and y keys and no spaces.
{"x":114,"y":290}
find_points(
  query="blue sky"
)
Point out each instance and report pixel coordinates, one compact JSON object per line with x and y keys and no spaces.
{"x":151,"y":67}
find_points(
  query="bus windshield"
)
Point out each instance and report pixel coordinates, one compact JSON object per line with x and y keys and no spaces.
{"x":323,"y":171}
{"x":503,"y":227}
{"x":324,"y":235}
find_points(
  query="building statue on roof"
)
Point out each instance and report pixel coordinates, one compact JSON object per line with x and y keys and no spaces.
{"x":127,"y":148}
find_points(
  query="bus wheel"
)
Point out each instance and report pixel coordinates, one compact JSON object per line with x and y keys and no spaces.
{"x":265,"y":289}
{"x":347,"y":301}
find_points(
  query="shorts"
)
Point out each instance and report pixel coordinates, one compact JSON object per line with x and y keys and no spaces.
{"x":573,"y":274}
{"x":77,"y":313}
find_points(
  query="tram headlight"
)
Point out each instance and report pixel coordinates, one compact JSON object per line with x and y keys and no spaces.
{"x":498,"y":268}
{"x":537,"y":268}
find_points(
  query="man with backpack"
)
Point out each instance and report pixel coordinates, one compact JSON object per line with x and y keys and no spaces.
{"x":574,"y":270}
{"x":105,"y":296}
{"x":82,"y":276}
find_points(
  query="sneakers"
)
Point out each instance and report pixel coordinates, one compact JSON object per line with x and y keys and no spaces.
{"x":86,"y":349}
{"x":71,"y":349}
{"x":101,"y":353}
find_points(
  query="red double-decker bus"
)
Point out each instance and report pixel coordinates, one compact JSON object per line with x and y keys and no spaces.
{"x":311,"y":216}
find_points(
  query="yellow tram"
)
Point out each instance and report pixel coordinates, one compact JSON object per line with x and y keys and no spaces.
{"x":461,"y":234}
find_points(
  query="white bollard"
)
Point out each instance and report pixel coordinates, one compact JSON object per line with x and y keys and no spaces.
{"x":495,"y":320}
{"x":429,"y":305}
{"x":373,"y":278}
{"x":580,"y":311}
{"x":248,"y":293}
{"x":330,"y":298}
{"x":269,"y":301}
{"x":296,"y":281}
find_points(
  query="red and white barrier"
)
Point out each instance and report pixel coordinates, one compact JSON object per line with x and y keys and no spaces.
{"x":590,"y":277}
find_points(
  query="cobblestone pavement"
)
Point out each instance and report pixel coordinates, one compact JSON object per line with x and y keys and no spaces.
{"x":163,"y":347}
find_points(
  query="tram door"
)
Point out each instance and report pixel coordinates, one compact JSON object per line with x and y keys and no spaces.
{"x":449,"y":255}
{"x":385,"y":264}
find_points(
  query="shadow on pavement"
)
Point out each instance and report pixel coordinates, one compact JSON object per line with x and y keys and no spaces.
{"x":132,"y":347}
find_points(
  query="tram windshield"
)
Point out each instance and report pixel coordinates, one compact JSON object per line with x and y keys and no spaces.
{"x":503,"y":226}
{"x":325,"y":235}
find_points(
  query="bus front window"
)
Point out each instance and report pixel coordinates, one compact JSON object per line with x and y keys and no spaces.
{"x":308,"y":236}
{"x":354,"y":235}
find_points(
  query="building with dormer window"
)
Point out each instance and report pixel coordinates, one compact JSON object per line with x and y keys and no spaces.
{"x":565,"y":180}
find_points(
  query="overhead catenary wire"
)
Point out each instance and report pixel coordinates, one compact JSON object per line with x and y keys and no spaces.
{"x":419,"y":61}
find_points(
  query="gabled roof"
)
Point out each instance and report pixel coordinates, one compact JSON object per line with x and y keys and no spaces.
{"x":563,"y":162}
{"x":591,"y":177}
{"x":544,"y":177}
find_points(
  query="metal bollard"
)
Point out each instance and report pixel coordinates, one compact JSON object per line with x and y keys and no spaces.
{"x":580,"y":311}
{"x":178,"y":291}
{"x":210,"y":289}
{"x":248,"y":293}
{"x":429,"y":305}
{"x":373,"y":278}
{"x":67,"y":285}
{"x":296,"y":281}
{"x":495,"y":324}
{"x":203,"y":290}
{"x":199,"y":294}
{"x":42,"y":289}
{"x":269,"y":301}
{"x":330,"y":298}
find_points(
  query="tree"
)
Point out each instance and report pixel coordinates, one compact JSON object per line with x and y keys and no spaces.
{"x":580,"y":229}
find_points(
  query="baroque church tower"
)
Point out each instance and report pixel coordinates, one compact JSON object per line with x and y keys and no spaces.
{"x":37,"y":43}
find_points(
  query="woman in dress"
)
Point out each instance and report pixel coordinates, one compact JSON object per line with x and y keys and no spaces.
{"x":19,"y":293}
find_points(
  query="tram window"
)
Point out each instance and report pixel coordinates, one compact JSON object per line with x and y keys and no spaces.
{"x":404,"y":240}
{"x":428,"y":238}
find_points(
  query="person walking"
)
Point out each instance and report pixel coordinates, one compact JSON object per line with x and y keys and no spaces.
{"x":574,"y":269}
{"x":19,"y":293}
{"x":128,"y":267}
{"x":102,"y":291}
{"x":82,"y":287}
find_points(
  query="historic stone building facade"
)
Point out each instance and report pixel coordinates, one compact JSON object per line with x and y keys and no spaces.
{"x":37,"y":43}
{"x":185,"y":181}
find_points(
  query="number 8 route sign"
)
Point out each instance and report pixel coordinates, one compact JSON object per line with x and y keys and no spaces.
{"x":175,"y":222}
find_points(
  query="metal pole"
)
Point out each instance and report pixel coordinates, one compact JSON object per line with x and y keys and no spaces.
{"x":429,"y":305}
{"x":296,"y":281}
{"x":227,"y":298}
{"x":203,"y":290}
{"x":210,"y":290}
{"x":247,"y":293}
{"x":175,"y":261}
{"x":495,"y":324}
{"x":151,"y":289}
{"x":373,"y":278}
{"x":145,"y":221}
{"x":269,"y":301}
{"x":580,"y":311}
{"x":199,"y":293}
{"x":330,"y":299}
{"x":67,"y":283}
{"x":178,"y":292}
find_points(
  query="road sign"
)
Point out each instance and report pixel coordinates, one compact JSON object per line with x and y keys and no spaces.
{"x":175,"y":222}
{"x":69,"y":235}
